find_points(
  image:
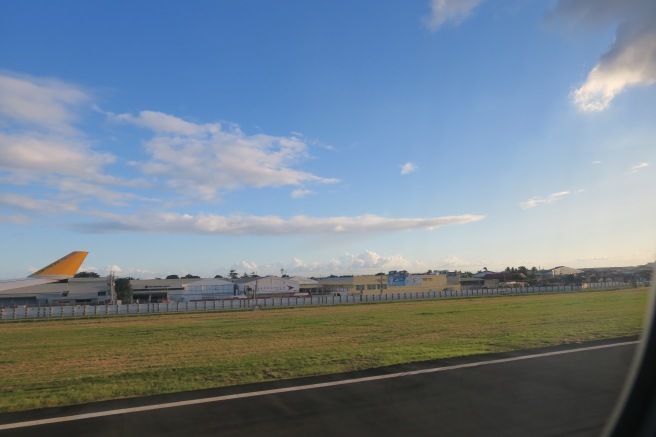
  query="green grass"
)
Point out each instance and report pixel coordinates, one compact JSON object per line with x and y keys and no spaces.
{"x":52,"y":363}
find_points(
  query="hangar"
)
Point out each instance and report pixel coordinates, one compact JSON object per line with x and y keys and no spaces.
{"x":267,"y":286}
{"x":74,"y":291}
{"x":204,"y":289}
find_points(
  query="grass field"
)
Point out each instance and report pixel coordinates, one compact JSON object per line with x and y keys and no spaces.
{"x":52,"y":363}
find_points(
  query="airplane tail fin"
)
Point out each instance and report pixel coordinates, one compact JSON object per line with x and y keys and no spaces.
{"x":63,"y":268}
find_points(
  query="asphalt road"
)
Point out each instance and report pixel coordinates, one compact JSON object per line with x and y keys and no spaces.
{"x":538,"y":395}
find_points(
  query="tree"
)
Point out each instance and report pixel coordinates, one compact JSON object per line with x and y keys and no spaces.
{"x":190,"y":276}
{"x":233,"y":274}
{"x":173,"y":277}
{"x":218,"y":277}
{"x":87,"y":275}
{"x":123,"y":289}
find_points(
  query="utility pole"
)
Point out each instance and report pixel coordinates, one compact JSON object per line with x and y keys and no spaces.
{"x":112,"y":290}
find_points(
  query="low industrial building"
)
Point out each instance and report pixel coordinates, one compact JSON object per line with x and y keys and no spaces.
{"x":307,"y":285}
{"x":98,"y":290}
{"x":269,"y":286}
{"x":188,"y":290}
{"x":204,"y":289}
{"x":393,"y":282}
{"x":74,"y":291}
{"x":156,"y":290}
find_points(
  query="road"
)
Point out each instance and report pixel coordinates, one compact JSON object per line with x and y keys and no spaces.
{"x":565,"y":390}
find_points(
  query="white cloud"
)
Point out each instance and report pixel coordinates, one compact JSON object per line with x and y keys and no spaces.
{"x":120,"y":272}
{"x":15,"y":219}
{"x":40,"y":145}
{"x":297,"y":194}
{"x":408,"y":167}
{"x":370,"y":260}
{"x":34,"y":154}
{"x":88,"y":191}
{"x":551,"y":198}
{"x":266,"y":225}
{"x":597,"y":162}
{"x":637,"y":168}
{"x":43,"y":103}
{"x":40,"y":205}
{"x":207,"y":159}
{"x":366,"y":262}
{"x":248,"y":266}
{"x":443,"y":11}
{"x":164,"y":123}
{"x":451,"y":262}
{"x":631,"y":58}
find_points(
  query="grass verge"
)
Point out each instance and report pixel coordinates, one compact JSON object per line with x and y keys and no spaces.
{"x":53,"y":363}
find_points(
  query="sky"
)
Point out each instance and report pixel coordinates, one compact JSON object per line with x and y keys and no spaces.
{"x":327,"y":137}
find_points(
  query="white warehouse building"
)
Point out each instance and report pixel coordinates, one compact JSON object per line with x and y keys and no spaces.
{"x":267,"y":286}
{"x":204,"y":289}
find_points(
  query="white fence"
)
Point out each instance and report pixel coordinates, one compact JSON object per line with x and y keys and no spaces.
{"x":61,"y":312}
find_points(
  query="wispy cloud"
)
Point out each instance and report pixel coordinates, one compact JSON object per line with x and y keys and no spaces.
{"x":208,"y":159}
{"x":40,"y":103}
{"x":597,"y":162}
{"x":298,"y":194}
{"x":38,"y":134}
{"x":638,"y":167}
{"x":630,"y":60}
{"x":42,"y":145}
{"x":15,"y":219}
{"x":165,"y":223}
{"x":537,"y":201}
{"x":41,"y":205}
{"x":408,"y":168}
{"x":167,"y":124}
{"x":448,"y":11}
{"x":34,"y":154}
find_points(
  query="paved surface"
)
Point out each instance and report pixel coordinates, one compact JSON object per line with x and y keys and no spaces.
{"x":559,"y":394}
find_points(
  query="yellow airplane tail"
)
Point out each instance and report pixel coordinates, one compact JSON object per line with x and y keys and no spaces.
{"x":64,"y":267}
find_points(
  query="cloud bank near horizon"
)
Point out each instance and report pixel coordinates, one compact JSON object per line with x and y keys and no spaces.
{"x":366,"y":262}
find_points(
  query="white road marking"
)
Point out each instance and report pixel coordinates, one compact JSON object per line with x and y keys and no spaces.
{"x":300,"y":388}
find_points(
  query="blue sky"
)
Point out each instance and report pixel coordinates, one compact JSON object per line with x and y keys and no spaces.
{"x":327,"y":137}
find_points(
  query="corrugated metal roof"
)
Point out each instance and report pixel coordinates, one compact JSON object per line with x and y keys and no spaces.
{"x":304,"y":281}
{"x":210,"y":281}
